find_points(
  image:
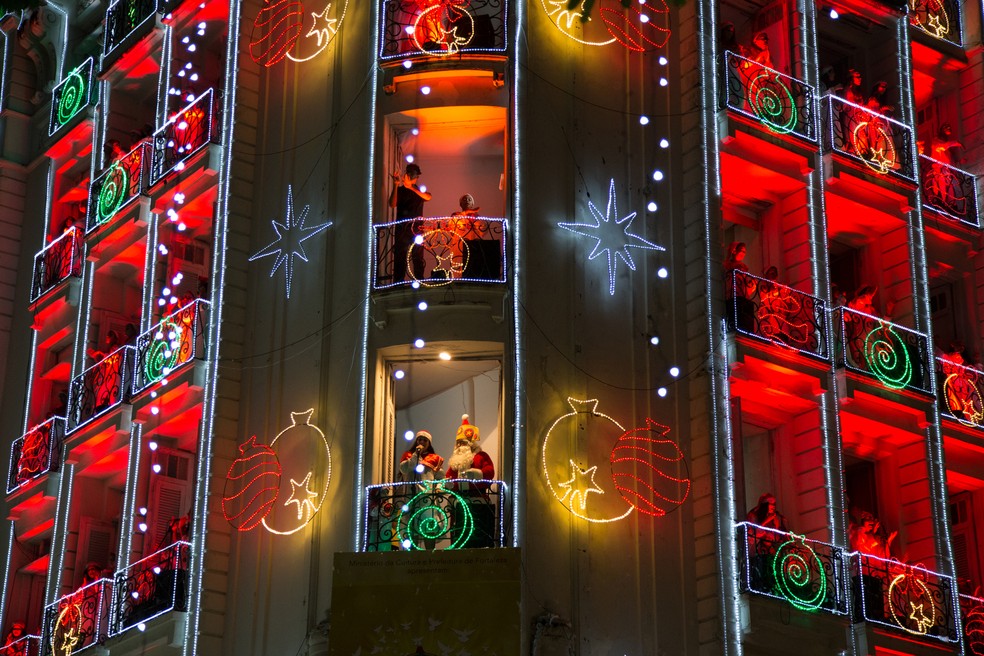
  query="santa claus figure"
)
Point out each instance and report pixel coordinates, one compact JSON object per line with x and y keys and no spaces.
{"x":470,"y":462}
{"x":468,"y":459}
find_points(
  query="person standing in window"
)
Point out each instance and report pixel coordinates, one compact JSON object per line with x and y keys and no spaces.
{"x":408,"y":199}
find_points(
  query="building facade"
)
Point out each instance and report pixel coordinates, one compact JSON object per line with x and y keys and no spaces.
{"x":685,"y":298}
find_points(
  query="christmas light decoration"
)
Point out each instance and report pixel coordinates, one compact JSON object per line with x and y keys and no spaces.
{"x":973,"y":625}
{"x":279,"y":25}
{"x":66,"y":633}
{"x":255,"y":481}
{"x":909,"y":601}
{"x":431,"y":33}
{"x":613,"y":239}
{"x":434,"y":513}
{"x":963,"y":399}
{"x":576,"y":486}
{"x":306,"y":443}
{"x":888,"y":357}
{"x":930,"y":16}
{"x":71,"y":96}
{"x":633,"y":27}
{"x":289,"y":243}
{"x":799,"y":574}
{"x":873,"y":145}
{"x":637,"y":462}
{"x":772,"y":101}
{"x":116,"y":188}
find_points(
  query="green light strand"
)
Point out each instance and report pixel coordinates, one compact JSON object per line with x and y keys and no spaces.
{"x":887,"y":357}
{"x":112,"y":193}
{"x":422,"y":521}
{"x":792,"y":568}
{"x":71,"y":97}
{"x":773,"y":102}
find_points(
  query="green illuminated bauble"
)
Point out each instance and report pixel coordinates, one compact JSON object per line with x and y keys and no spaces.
{"x":112,"y":193}
{"x":72,"y":97}
{"x":422,"y":520}
{"x":772,"y":102}
{"x":162,"y":354}
{"x":887,"y":357}
{"x":799,"y":574}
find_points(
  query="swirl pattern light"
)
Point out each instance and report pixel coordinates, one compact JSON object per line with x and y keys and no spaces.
{"x":772,"y":102}
{"x":423,"y":519}
{"x":72,"y":97}
{"x":113,"y":193}
{"x":799,"y":574}
{"x":163,"y":352}
{"x":887,"y":357}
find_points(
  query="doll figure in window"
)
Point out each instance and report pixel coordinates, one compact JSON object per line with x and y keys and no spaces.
{"x":766,"y":533}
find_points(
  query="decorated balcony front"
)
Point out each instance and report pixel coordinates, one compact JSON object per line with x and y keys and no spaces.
{"x":182,"y":136}
{"x":36,"y":453}
{"x":960,"y":392}
{"x":972,"y":614}
{"x":29,"y":645}
{"x":937,"y":18}
{"x":769,"y":311}
{"x":72,"y":95}
{"x":123,"y":18}
{"x":100,"y":388}
{"x":894,"y":355}
{"x":904,"y":597}
{"x":78,"y":620}
{"x":59,"y":261}
{"x":806,"y":573}
{"x":432,"y":252}
{"x":151,"y":587}
{"x":435,"y":515}
{"x":177,"y":340}
{"x":881,"y":144}
{"x":118,"y":186}
{"x":781,"y":103}
{"x":949,"y":191}
{"x":442,"y":28}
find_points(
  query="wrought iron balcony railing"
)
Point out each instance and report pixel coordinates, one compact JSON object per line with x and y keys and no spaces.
{"x":442,"y":28}
{"x":894,"y":355}
{"x":949,"y":191}
{"x":122,"y":18}
{"x":960,"y":389}
{"x":182,"y":136}
{"x":432,"y":252}
{"x":806,"y":573}
{"x":782,"y":103}
{"x":767,"y":310}
{"x":29,"y":645}
{"x":78,"y":620}
{"x":36,"y":453}
{"x":118,"y":186}
{"x":972,"y":614}
{"x":938,"y":18}
{"x":904,"y":597}
{"x":59,"y":261}
{"x":100,"y":388}
{"x":177,"y":340}
{"x":882,"y":144}
{"x":151,"y":587}
{"x":71,"y":96}
{"x":435,"y":515}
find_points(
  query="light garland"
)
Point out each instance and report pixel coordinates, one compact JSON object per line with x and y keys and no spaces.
{"x":290,"y":240}
{"x":256,"y":472}
{"x":421,"y":521}
{"x":659,"y":492}
{"x":890,"y":365}
{"x":772,"y":101}
{"x":963,"y":399}
{"x":280,"y":25}
{"x":792,"y":568}
{"x":915,"y":612}
{"x":72,"y":95}
{"x":303,"y":420}
{"x":634,"y":28}
{"x":612,"y":239}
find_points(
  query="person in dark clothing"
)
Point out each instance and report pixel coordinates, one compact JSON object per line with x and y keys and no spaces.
{"x":408,"y":199}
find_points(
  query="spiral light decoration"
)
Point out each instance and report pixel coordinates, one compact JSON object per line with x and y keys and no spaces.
{"x":112,"y":193}
{"x":772,"y":102}
{"x":162,"y":354}
{"x":71,"y":98}
{"x":793,"y":567}
{"x":421,"y":520}
{"x":887,"y":357}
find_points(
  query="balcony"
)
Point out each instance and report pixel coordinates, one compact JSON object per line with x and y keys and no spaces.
{"x":772,"y":312}
{"x":100,"y":388}
{"x":949,"y":191}
{"x":805,"y":573}
{"x":78,"y":620}
{"x":123,"y":18}
{"x":431,"y":252}
{"x":72,"y":95}
{"x":177,"y":340}
{"x":118,"y":186}
{"x":894,"y":355}
{"x":781,"y":103}
{"x":960,"y":388}
{"x":937,"y":18}
{"x":27,"y":646}
{"x":435,"y":515}
{"x":903,"y":597}
{"x":182,"y":136}
{"x":151,"y":587}
{"x":36,"y":453}
{"x":972,"y":613}
{"x":59,"y":261}
{"x":438,"y":29}
{"x":883,"y":145}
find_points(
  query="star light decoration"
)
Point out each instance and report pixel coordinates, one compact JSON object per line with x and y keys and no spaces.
{"x":612,"y":238}
{"x":291,"y":236}
{"x":305,"y":507}
{"x":328,"y":27}
{"x":580,"y":485}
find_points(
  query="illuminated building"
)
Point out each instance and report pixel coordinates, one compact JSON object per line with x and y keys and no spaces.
{"x":225,"y":328}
